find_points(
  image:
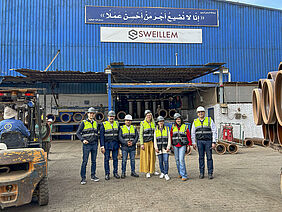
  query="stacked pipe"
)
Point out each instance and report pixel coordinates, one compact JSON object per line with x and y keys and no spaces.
{"x":267,"y":106}
{"x":222,"y":146}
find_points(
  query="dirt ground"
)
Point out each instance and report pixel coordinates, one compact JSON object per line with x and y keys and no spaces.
{"x":248,"y":181}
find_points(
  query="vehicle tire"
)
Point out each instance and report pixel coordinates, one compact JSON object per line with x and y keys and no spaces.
{"x":43,"y":192}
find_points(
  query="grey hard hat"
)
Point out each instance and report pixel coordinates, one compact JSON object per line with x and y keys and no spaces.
{"x":91,"y":110}
{"x":160,"y":118}
{"x":176,"y":116}
{"x":111,"y":113}
{"x":147,"y":111}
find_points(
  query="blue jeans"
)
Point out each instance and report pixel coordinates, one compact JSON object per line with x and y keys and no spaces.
{"x":125,"y":154}
{"x":107,"y":159}
{"x":87,"y":149}
{"x":163,"y":162}
{"x":205,"y":147}
{"x":179,"y":154}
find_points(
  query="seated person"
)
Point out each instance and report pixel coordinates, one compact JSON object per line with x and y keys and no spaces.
{"x":10,"y":124}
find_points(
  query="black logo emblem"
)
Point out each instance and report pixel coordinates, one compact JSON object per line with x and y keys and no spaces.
{"x":132,"y":34}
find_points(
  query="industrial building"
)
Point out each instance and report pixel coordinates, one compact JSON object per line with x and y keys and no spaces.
{"x":85,"y":61}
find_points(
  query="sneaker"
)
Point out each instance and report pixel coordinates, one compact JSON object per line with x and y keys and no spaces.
{"x":201,"y":176}
{"x":162,"y":176}
{"x":148,"y":175}
{"x":95,"y":179}
{"x":156,"y":173}
{"x":122,"y":175}
{"x":184,"y":179}
{"x":116,"y":176}
{"x":83,"y":182}
{"x":210,"y":176}
{"x":167,"y":177}
{"x":107,"y":177}
{"x":179,"y":176}
{"x":133,"y":174}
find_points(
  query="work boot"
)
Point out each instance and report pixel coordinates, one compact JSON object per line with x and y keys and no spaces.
{"x":83,"y":182}
{"x":133,"y":174}
{"x":122,"y":175}
{"x":116,"y":176}
{"x":95,"y":179}
{"x":107,"y":177}
{"x":210,"y":176}
{"x":201,"y":176}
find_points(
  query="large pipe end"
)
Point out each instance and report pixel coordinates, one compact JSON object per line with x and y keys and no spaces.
{"x":99,"y":116}
{"x":249,"y":143}
{"x":265,"y":143}
{"x":220,"y":149}
{"x":232,"y":149}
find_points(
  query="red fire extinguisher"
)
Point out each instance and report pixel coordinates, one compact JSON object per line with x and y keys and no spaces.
{"x":227,"y":132}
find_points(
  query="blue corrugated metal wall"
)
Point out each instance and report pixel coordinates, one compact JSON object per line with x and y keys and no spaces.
{"x":248,"y":39}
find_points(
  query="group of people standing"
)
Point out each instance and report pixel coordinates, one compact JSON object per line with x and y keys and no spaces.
{"x":155,"y":139}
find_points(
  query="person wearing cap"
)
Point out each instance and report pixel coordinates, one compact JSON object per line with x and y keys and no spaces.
{"x":10,"y":124}
{"x":162,"y":144}
{"x":128,"y":137}
{"x":46,"y":143}
{"x":181,"y":138}
{"x":109,"y":142}
{"x":204,"y":134}
{"x":87,"y":132}
{"x":147,"y":152}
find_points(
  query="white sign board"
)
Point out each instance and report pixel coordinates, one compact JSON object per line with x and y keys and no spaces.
{"x":150,"y":35}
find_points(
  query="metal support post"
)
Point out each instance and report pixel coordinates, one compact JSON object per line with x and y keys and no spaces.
{"x":221,"y":101}
{"x":109,"y":92}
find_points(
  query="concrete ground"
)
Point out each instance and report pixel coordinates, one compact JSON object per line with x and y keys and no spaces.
{"x":248,"y":181}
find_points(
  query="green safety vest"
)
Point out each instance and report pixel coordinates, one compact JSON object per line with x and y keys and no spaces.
{"x":111,"y":132}
{"x":203,"y":129}
{"x":162,"y":137}
{"x":90,"y":131}
{"x":179,"y":136}
{"x":148,"y":132}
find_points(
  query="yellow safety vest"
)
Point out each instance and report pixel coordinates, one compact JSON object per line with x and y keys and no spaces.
{"x":203,"y":129}
{"x":148,"y":133}
{"x":162,"y":137}
{"x":111,"y":132}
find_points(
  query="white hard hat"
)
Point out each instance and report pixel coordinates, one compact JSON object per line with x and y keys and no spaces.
{"x":201,"y":109}
{"x":160,"y":118}
{"x":111,"y":113}
{"x":147,"y":111}
{"x":91,"y":110}
{"x":128,"y":117}
{"x":50,"y":120}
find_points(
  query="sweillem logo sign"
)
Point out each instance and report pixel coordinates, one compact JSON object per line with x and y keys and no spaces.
{"x":150,"y":35}
{"x":132,"y":34}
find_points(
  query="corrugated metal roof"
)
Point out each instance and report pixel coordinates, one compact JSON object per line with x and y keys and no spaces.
{"x":63,"y":76}
{"x":161,"y":73}
{"x":248,"y":38}
{"x":125,"y":73}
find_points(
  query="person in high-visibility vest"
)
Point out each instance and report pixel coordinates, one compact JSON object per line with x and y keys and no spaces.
{"x":109,"y":143}
{"x":181,"y":140}
{"x":128,"y":137}
{"x":162,"y":144}
{"x":147,"y":152}
{"x":87,"y":132}
{"x":204,"y":133}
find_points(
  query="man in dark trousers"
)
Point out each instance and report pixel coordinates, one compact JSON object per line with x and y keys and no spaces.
{"x":204,"y":133}
{"x":128,"y":137}
{"x":109,"y":143}
{"x":88,"y":134}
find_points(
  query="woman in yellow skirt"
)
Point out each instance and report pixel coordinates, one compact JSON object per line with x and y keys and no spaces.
{"x":147,"y":152}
